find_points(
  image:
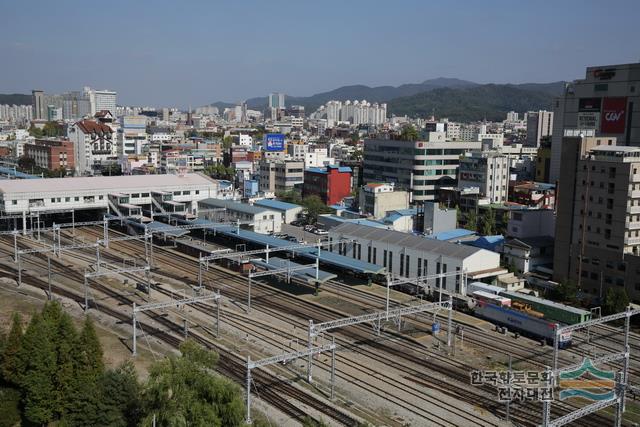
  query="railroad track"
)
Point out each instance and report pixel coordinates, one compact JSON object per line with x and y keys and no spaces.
{"x":435,"y":381}
{"x":268,"y":387}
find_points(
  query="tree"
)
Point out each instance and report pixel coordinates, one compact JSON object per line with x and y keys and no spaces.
{"x":90,"y":352}
{"x":290,"y":196}
{"x":567,"y":291}
{"x":616,"y":300}
{"x":26,"y":164}
{"x":472,"y":221}
{"x":185,"y":391}
{"x":9,"y":407}
{"x":51,"y":129}
{"x":36,"y":132}
{"x":489,"y":223}
{"x":315,"y":207}
{"x":409,"y":133}
{"x":11,"y":350}
{"x":37,"y":366}
{"x":120,"y":393}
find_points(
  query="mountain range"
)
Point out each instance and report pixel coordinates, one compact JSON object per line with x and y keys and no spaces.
{"x":459,"y":100}
{"x":15,"y":99}
{"x":456,"y":99}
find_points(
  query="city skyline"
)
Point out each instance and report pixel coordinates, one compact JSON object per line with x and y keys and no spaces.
{"x":201,"y":54}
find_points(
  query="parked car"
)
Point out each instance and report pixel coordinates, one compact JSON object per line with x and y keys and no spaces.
{"x":293,"y":239}
{"x":320,"y":232}
{"x":299,"y":222}
{"x":309,"y":228}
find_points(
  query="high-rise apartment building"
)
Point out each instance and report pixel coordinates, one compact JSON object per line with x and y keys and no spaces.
{"x":421,"y":167}
{"x":276,"y":100}
{"x":100,"y":100}
{"x":539,"y":126}
{"x":39,"y":105}
{"x":606,"y":102}
{"x":597,"y":239}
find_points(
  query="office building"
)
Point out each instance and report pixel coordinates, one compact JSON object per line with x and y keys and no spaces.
{"x":539,"y":126}
{"x":100,"y":100}
{"x":51,"y":154}
{"x":132,"y":135}
{"x":597,"y":231}
{"x":606,"y":103}
{"x":330,"y":183}
{"x":486,"y":171}
{"x":376,"y":199}
{"x":281,"y":175}
{"x":421,"y":167}
{"x":263,"y":220}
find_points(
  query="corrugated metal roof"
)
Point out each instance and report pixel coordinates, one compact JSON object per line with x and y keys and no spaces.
{"x":307,"y":274}
{"x":326,"y":257}
{"x":452,"y":234}
{"x":234,"y":206}
{"x":391,"y":237}
{"x":276,"y":204}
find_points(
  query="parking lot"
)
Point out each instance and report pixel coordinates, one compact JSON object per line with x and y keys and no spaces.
{"x":301,"y":234}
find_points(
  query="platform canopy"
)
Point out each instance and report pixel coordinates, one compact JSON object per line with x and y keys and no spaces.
{"x":308,"y":274}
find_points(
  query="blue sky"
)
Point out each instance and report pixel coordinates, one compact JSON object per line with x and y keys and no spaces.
{"x":176,"y":53}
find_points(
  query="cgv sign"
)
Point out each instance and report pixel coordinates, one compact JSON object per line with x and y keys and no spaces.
{"x":613,"y":115}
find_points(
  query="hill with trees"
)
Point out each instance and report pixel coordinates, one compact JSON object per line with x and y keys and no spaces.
{"x":15,"y":99}
{"x":491,"y":102}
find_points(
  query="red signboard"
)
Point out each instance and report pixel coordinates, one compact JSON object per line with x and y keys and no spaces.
{"x":613,"y":115}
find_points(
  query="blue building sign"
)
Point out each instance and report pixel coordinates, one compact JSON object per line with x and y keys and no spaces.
{"x":274,"y":142}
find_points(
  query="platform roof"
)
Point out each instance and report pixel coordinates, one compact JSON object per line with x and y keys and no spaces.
{"x":17,"y":173}
{"x":161,"y":227}
{"x":309,"y":274}
{"x":326,"y":257}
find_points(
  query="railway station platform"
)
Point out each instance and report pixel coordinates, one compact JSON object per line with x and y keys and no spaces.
{"x":249,"y":237}
{"x":309,"y":274}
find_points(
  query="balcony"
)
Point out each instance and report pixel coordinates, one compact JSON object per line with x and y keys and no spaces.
{"x":632,"y":240}
{"x":634,"y":209}
{"x":632,"y":225}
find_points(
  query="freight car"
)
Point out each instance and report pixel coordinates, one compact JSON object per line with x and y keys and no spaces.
{"x":551,"y":310}
{"x":521,"y":322}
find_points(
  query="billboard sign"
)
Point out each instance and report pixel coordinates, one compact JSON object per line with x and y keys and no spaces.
{"x":274,"y":142}
{"x":613,"y":115}
{"x":589,"y":120}
{"x":589,"y":104}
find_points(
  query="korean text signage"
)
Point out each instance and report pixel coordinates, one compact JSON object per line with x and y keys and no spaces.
{"x":613,"y":115}
{"x":274,"y":142}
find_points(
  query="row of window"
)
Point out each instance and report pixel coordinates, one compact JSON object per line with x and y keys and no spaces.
{"x":387,"y":262}
{"x":75,"y":199}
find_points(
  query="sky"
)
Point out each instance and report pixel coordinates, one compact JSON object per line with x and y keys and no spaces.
{"x":190,"y":52}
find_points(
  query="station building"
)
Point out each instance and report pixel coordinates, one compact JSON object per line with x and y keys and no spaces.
{"x":263,"y":220}
{"x":117,"y":195}
{"x":408,"y":255}
{"x":289,"y":211}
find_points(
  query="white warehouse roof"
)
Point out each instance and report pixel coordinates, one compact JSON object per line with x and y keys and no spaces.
{"x":109,"y":184}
